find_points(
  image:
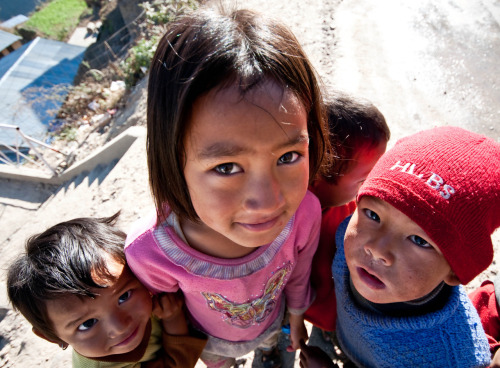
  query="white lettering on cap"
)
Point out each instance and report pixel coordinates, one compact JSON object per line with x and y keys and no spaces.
{"x":434,"y":181}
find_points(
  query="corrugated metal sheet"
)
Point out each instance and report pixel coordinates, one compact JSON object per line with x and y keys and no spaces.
{"x":30,"y":81}
{"x":14,"y":21}
{"x":7,"y":39}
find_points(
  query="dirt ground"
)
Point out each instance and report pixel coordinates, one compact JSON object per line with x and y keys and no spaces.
{"x":413,"y":61}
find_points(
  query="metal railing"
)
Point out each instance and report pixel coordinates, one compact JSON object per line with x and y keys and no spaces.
{"x":24,"y":141}
{"x":116,"y":46}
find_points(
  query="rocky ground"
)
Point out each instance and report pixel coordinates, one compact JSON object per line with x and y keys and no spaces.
{"x":373,"y":49}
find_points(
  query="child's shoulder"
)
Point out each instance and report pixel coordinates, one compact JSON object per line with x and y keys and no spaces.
{"x":338,"y":213}
{"x":309,"y":210}
{"x":306,"y":222}
{"x":310,"y":203}
{"x":485,"y":294}
{"x":142,"y":226}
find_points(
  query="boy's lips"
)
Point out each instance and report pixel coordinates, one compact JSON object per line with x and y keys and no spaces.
{"x":129,"y":338}
{"x":370,"y":279}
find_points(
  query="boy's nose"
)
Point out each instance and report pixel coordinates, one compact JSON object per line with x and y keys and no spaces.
{"x":380,"y":251}
{"x":118,"y":323}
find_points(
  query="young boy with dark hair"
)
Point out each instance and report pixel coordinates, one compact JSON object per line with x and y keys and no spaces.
{"x":73,"y":285}
{"x":422,"y":227}
{"x":359,"y":136}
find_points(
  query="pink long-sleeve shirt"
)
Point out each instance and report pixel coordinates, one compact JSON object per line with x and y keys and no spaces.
{"x":230,"y":299}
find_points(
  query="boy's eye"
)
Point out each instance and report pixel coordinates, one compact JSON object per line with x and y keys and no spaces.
{"x":88,"y":324}
{"x":124,"y":297}
{"x":227,"y":169}
{"x":371,"y":215}
{"x":288,"y":158}
{"x":421,"y":242}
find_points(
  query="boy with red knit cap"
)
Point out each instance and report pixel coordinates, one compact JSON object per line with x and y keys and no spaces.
{"x":422,"y":227}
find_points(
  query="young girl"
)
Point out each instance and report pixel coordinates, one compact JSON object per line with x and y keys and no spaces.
{"x":235,"y":132}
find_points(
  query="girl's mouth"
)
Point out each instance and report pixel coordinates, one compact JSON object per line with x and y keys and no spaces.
{"x":261,"y":226}
{"x":369,"y":279}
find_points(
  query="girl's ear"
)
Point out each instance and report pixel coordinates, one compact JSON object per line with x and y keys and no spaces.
{"x":452,"y":279}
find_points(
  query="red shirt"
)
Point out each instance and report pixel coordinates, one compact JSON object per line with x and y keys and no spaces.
{"x":485,"y":301}
{"x":323,"y":311}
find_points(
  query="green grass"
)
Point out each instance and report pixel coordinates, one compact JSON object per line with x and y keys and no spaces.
{"x":57,"y":19}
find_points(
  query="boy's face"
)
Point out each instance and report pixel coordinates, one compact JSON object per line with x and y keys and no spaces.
{"x":347,"y":186}
{"x":390,"y":258}
{"x":114,"y":322}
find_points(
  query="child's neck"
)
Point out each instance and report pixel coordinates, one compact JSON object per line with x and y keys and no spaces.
{"x":431,"y":302}
{"x":205,"y":240}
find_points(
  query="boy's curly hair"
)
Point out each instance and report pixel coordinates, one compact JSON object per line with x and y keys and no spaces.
{"x":60,"y":262}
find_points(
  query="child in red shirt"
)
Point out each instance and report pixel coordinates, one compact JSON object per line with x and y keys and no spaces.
{"x":359,"y":135}
{"x":486,"y":299}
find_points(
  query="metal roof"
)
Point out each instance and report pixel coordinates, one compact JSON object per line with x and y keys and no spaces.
{"x":7,"y":39}
{"x":30,"y":81}
{"x":14,"y":21}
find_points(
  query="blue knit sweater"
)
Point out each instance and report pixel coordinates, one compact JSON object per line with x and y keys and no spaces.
{"x":450,"y":337}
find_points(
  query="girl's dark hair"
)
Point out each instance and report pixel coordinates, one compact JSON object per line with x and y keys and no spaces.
{"x":60,"y":262}
{"x":353,"y":123}
{"x":209,"y":49}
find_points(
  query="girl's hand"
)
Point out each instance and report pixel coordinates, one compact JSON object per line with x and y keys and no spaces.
{"x":169,"y":308}
{"x":314,"y":357}
{"x":298,"y":331}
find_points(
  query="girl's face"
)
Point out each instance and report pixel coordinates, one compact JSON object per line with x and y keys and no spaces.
{"x":246,"y":167}
{"x":114,"y":322}
{"x":390,"y":258}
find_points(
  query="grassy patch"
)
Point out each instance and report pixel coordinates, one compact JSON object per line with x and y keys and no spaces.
{"x":57,"y":19}
{"x":158,"y":14}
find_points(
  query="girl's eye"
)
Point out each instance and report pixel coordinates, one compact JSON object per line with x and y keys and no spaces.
{"x":87,"y":325}
{"x":124,"y":297}
{"x":227,"y":169}
{"x":421,"y":242}
{"x":289,"y":158}
{"x":371,"y":215}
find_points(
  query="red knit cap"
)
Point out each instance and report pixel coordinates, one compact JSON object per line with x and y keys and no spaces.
{"x":447,"y":180}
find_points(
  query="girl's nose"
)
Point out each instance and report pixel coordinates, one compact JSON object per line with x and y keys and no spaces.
{"x":263,"y":192}
{"x":379,"y":250}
